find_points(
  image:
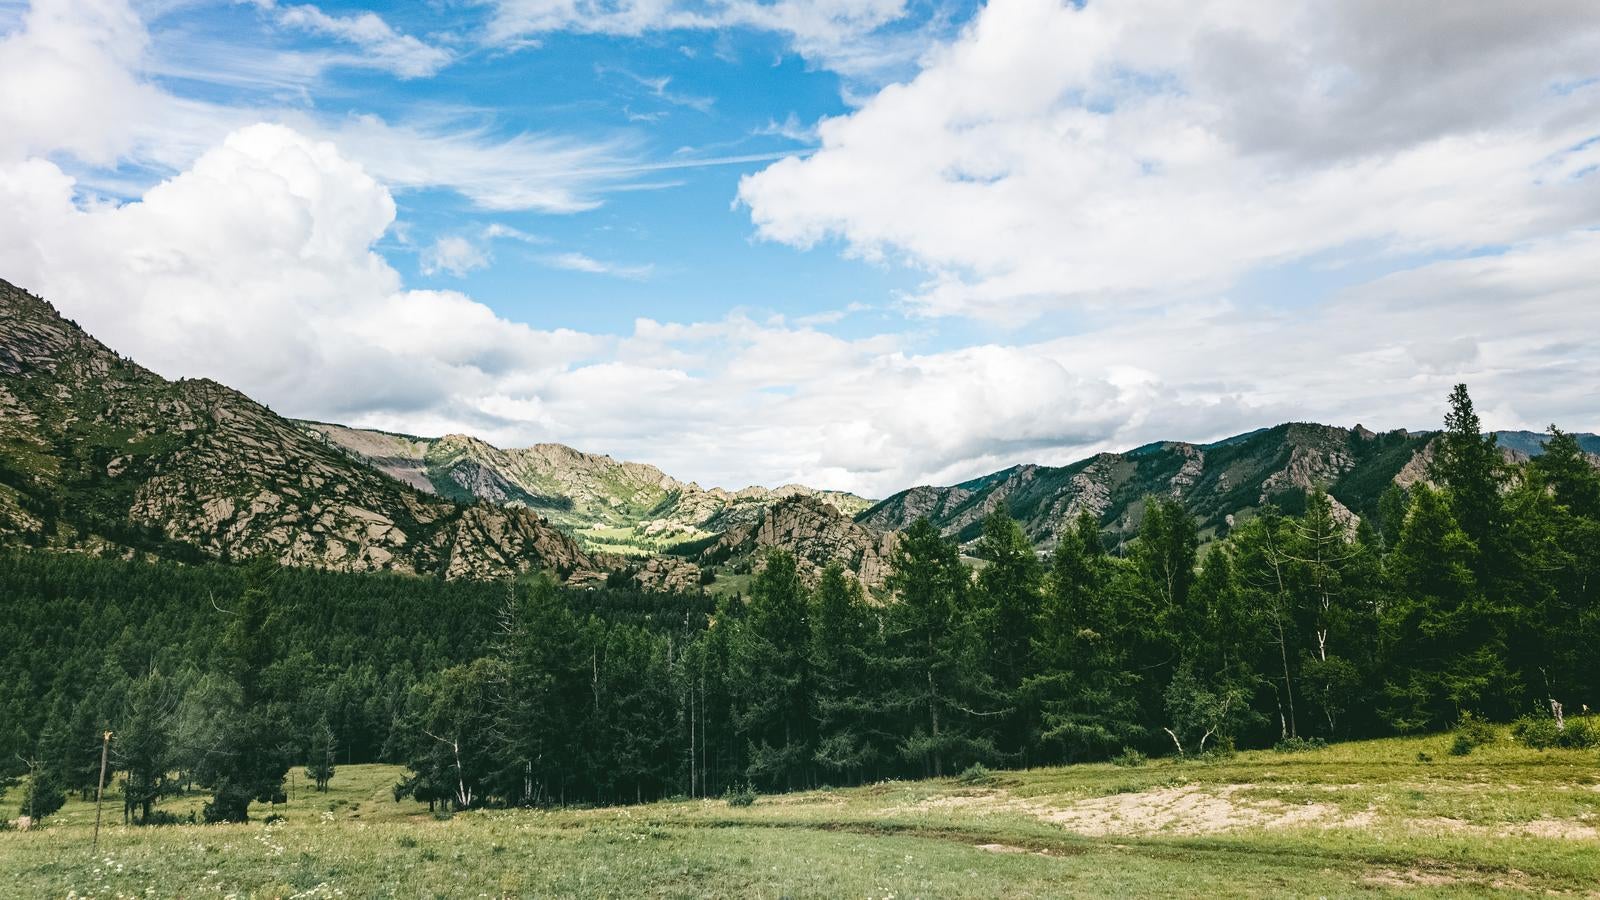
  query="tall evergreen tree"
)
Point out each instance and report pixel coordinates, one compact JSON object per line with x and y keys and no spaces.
{"x":847,"y":670}
{"x":773,"y":680}
{"x":254,"y":754}
{"x":1081,"y":681}
{"x":934,"y":653}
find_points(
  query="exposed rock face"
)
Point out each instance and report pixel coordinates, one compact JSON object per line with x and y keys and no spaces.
{"x":574,"y":489}
{"x":121,"y":456}
{"x":1216,"y":481}
{"x":817,"y":534}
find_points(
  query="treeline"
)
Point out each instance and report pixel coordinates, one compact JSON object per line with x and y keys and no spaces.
{"x":1472,"y":591}
{"x":151,"y":650}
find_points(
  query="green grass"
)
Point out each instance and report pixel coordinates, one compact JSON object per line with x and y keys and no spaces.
{"x":1353,"y":819}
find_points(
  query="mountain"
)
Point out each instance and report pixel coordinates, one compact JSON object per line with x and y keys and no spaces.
{"x":814,"y":531}
{"x":1222,"y":482}
{"x":100,"y":453}
{"x":607,"y":504}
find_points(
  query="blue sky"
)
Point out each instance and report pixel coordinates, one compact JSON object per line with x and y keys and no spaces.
{"x":861,"y":244}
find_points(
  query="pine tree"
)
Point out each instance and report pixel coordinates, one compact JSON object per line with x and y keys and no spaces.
{"x":254,"y":753}
{"x":320,"y":754}
{"x":1007,"y":603}
{"x":846,"y":665}
{"x":1468,"y":463}
{"x":934,"y":654}
{"x":143,"y":747}
{"x":1081,"y":682}
{"x":773,"y":684}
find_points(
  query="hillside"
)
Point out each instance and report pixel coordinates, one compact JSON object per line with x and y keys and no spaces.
{"x":99,"y":452}
{"x":1376,"y":818}
{"x":1222,"y":483}
{"x":812,"y":529}
{"x":608,"y":504}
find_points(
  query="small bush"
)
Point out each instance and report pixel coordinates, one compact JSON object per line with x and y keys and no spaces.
{"x":163,"y":817}
{"x":1299,"y":745}
{"x":1471,"y":733}
{"x":741,"y":796}
{"x":1129,"y":758}
{"x":1541,"y":733}
{"x":1424,"y":757}
{"x":977,"y":773}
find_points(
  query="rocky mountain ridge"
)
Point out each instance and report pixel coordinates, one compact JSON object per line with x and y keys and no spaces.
{"x":605,"y":503}
{"x":1223,"y":482}
{"x":99,"y":453}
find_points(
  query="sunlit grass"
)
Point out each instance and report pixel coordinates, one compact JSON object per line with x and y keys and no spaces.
{"x":1375,"y":817}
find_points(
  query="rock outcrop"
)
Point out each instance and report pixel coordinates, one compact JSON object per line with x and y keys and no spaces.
{"x":816,"y":533}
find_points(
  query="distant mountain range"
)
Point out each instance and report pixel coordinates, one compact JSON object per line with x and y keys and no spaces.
{"x":98,"y":453}
{"x":624,"y":507}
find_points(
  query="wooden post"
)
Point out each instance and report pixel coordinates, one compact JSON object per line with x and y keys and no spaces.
{"x":99,"y":794}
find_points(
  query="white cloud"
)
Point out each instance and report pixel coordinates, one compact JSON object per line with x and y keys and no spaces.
{"x":578,"y":262}
{"x":66,"y":76}
{"x":1038,"y":161}
{"x":255,"y":267}
{"x":382,"y":46}
{"x":1056,"y":156}
{"x":454,"y":254}
{"x":76,"y":78}
{"x":838,"y":33}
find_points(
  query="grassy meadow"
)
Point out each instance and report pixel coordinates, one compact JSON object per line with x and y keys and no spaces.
{"x":1371,"y":818}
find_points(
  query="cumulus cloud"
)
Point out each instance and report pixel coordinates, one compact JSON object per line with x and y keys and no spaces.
{"x":1057,"y":156}
{"x":1128,"y":160}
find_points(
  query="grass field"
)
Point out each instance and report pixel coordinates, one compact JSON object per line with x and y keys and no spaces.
{"x":1354,"y":819}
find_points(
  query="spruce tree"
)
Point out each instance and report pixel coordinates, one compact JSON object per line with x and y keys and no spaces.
{"x":846,"y":665}
{"x":773,"y":684}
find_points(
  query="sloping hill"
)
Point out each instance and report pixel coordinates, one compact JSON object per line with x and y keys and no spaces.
{"x":1219,"y":481}
{"x":608,"y":504}
{"x":99,"y":452}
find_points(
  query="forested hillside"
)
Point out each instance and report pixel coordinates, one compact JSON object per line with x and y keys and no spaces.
{"x":1472,"y":592}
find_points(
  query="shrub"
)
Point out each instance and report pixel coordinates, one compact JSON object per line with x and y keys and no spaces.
{"x":1129,"y":758}
{"x":1541,"y":733}
{"x":741,"y":796}
{"x":1538,"y":732}
{"x":1299,"y":745}
{"x":164,"y":817}
{"x":977,"y":773}
{"x":1471,"y":733}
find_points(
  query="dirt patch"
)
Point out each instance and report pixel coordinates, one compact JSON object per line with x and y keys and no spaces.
{"x":1186,"y":809}
{"x":1189,"y":809}
{"x":1404,"y":878}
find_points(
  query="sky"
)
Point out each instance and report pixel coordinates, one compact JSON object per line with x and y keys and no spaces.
{"x":857,"y":244}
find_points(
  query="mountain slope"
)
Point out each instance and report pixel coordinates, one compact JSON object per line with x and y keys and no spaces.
{"x":812,"y":529}
{"x":606,"y":503}
{"x":1219,"y":482}
{"x":96,"y":451}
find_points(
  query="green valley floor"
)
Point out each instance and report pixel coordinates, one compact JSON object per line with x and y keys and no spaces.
{"x":1372,"y":818}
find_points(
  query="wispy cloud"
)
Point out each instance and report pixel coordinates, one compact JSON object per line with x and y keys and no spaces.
{"x":453,"y":254}
{"x":382,"y":46}
{"x":579,"y":262}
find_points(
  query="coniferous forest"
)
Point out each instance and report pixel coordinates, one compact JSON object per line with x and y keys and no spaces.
{"x":1472,"y":593}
